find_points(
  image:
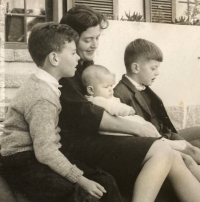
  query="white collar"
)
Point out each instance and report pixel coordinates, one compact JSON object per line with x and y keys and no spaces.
{"x":138,"y":86}
{"x":45,"y":76}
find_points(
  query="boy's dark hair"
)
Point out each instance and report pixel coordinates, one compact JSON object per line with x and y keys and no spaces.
{"x":48,"y":37}
{"x":141,"y":49}
{"x":81,"y":17}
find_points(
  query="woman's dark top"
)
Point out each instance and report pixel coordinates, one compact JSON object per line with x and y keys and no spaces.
{"x":78,"y":116}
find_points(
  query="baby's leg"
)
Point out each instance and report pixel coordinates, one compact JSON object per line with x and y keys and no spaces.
{"x":155,"y":170}
{"x":192,"y":165}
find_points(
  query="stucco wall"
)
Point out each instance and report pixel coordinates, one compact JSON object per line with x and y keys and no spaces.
{"x":178,"y":83}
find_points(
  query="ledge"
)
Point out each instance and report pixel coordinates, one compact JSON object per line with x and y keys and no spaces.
{"x":193,"y":116}
{"x":18,"y":55}
{"x":176,"y":114}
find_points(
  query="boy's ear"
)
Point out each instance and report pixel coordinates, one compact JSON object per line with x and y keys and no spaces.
{"x":135,"y":68}
{"x":53,"y":58}
{"x":90,"y":90}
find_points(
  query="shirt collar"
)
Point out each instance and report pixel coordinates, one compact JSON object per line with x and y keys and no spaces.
{"x":138,"y":86}
{"x":45,"y":76}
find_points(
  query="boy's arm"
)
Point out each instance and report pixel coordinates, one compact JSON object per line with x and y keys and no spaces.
{"x":42,"y":123}
{"x":112,"y":106}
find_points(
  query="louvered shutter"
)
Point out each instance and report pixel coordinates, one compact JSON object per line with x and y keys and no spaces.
{"x":162,"y":11}
{"x":107,"y":7}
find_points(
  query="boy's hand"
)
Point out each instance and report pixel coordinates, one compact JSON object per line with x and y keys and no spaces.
{"x":148,"y":130}
{"x":91,"y":187}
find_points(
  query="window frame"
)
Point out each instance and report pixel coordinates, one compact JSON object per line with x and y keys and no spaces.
{"x":57,"y":14}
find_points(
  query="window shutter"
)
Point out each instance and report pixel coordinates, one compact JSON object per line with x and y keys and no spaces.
{"x":107,"y":7}
{"x":162,"y":11}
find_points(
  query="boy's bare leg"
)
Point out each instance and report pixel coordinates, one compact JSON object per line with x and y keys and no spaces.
{"x":191,"y":165}
{"x":193,"y":151}
{"x":154,"y":172}
{"x":184,"y":183}
{"x":156,"y":168}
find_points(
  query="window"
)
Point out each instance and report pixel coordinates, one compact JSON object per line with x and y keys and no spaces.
{"x":20,"y":17}
{"x":107,"y":7}
{"x":163,"y":11}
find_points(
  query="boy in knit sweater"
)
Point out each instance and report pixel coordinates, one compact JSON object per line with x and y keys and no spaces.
{"x":30,"y":147}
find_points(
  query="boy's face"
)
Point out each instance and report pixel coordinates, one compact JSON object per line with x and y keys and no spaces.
{"x":68,"y":60}
{"x":147,"y":72}
{"x":88,"y":43}
{"x":104,"y":87}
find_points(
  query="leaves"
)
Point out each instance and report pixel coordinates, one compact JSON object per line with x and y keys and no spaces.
{"x":134,"y":17}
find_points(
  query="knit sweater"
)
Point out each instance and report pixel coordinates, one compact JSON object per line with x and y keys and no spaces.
{"x":31,"y":124}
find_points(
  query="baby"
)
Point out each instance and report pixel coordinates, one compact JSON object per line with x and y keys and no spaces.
{"x":99,"y":83}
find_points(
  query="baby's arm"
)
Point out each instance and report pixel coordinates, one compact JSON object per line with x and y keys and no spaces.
{"x":113,"y":106}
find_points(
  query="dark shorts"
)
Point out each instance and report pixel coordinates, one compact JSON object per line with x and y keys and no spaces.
{"x":41,"y":184}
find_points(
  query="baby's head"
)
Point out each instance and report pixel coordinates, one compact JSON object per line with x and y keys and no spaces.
{"x":98,"y":81}
{"x":142,"y":59}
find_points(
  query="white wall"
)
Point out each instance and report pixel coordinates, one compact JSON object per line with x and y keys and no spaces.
{"x":178,"y":82}
{"x":130,"y":5}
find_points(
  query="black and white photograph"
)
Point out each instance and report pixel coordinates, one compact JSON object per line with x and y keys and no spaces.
{"x":99,"y":100}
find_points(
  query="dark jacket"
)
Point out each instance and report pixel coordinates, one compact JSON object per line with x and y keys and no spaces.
{"x":129,"y":95}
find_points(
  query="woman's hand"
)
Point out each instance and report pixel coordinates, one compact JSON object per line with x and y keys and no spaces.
{"x":91,"y":187}
{"x":147,"y":130}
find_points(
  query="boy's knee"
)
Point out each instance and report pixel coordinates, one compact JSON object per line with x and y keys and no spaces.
{"x":160,"y":150}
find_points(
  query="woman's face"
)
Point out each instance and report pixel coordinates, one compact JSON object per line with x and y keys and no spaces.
{"x":88,"y":43}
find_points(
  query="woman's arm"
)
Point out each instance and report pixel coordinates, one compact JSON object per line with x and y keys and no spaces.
{"x":81,"y":116}
{"x":119,"y":125}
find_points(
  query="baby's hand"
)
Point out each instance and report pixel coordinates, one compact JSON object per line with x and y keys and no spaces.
{"x":91,"y":187}
{"x":131,"y":112}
